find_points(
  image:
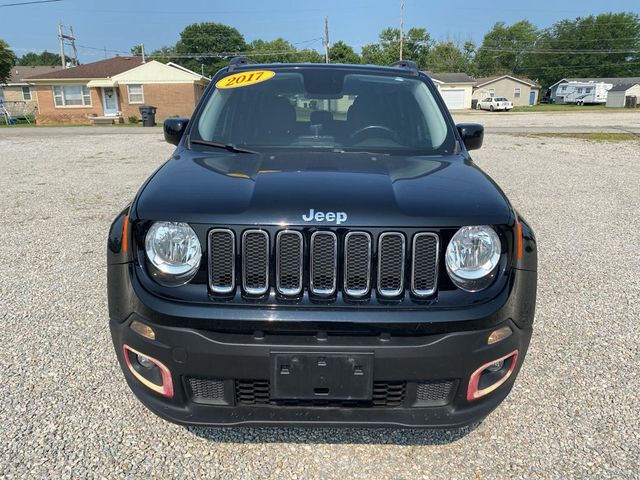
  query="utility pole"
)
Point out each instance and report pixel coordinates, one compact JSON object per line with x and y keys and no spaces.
{"x":61,"y":40}
{"x":401,"y":25}
{"x":62,"y":36}
{"x":326,"y":39}
{"x":142,"y":49}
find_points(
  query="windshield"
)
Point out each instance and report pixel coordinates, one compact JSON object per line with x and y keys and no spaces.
{"x":314,"y":108}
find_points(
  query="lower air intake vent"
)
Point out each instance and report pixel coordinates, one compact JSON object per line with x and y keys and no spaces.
{"x":435,"y":392}
{"x":206,"y":390}
{"x":257,"y":392}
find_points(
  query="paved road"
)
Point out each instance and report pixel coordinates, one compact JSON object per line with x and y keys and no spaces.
{"x":65,"y":411}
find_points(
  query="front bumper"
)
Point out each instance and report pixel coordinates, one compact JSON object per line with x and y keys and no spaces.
{"x":428,"y":375}
{"x":233,"y":358}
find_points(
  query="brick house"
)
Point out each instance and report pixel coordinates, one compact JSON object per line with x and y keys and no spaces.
{"x":114,"y":89}
{"x":17,"y":95}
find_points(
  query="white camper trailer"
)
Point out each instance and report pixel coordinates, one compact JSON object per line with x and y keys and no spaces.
{"x":582,"y":93}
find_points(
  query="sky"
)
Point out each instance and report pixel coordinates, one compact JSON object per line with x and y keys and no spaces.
{"x":117,"y":25}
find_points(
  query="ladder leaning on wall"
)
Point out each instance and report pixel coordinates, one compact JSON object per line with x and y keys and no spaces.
{"x":4,"y":113}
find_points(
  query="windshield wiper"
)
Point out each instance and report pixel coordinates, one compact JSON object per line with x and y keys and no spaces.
{"x":227,"y":146}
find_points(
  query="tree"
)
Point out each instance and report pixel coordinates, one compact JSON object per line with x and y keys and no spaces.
{"x":278,"y":50}
{"x":340,"y":52}
{"x":505,"y":49}
{"x":40,"y":59}
{"x":416,"y":45}
{"x":607,"y":45}
{"x":209,"y":45}
{"x":7,"y":61}
{"x":136,"y":50}
{"x":447,"y":57}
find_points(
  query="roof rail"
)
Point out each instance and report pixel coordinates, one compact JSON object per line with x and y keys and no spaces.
{"x":239,"y":61}
{"x":408,"y":64}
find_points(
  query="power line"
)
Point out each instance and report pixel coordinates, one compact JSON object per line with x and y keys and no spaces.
{"x":27,"y":3}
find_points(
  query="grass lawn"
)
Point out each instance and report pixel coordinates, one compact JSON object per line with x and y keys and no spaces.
{"x":593,"y":136}
{"x":553,"y":107}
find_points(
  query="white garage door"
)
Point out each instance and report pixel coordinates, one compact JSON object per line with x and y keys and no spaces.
{"x":454,"y":99}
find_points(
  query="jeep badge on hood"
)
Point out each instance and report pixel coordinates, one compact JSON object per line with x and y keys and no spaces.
{"x":337,"y":217}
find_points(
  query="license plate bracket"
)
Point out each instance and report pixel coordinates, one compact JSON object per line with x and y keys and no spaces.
{"x":321,"y":376}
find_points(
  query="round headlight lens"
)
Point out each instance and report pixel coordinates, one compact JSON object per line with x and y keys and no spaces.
{"x":174,"y":252}
{"x":472,"y":257}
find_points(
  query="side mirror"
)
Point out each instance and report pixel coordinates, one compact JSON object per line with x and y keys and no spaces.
{"x":174,"y":128}
{"x":472,"y":135}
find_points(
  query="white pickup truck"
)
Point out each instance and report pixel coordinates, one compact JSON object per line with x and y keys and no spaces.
{"x":494,"y":103}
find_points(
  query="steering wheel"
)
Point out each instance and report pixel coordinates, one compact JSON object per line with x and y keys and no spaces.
{"x":370,"y":129}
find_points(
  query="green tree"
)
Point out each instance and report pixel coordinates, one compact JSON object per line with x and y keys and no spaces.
{"x":209,"y":45}
{"x":7,"y":61}
{"x":606,"y":45}
{"x":505,"y":49}
{"x":416,"y":45}
{"x":165,"y":55}
{"x":273,"y":51}
{"x":136,"y":50}
{"x":447,"y":57}
{"x":340,"y":52}
{"x":40,"y":59}
{"x":308,"y":55}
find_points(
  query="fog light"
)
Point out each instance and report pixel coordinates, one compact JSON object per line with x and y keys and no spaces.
{"x":491,"y":375}
{"x":150,"y":372}
{"x":499,"y":334}
{"x":143,"y":329}
{"x":496,"y":366}
{"x":144,"y":361}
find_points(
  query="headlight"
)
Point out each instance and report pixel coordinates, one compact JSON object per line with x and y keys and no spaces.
{"x":472,"y":257}
{"x":174,"y":253}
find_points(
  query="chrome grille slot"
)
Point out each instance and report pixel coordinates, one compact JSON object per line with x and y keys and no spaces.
{"x":222,"y":261}
{"x":357,"y":264}
{"x":289,"y":257}
{"x":255,"y":262}
{"x":424,"y":265}
{"x":323,"y":262}
{"x":391,"y":260}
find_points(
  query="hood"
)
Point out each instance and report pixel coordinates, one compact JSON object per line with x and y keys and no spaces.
{"x":323,"y":188}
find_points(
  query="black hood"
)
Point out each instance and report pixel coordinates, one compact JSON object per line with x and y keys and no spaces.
{"x":356,"y":189}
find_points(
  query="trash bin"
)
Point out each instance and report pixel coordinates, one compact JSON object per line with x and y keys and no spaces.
{"x":148,"y":114}
{"x":474,"y":104}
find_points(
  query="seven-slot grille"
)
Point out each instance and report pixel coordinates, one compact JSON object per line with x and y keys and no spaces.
{"x":295,"y":261}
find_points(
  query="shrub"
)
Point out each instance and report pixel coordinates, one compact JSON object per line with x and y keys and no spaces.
{"x":133,"y":119}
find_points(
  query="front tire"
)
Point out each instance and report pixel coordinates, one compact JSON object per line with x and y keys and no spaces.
{"x":491,"y":108}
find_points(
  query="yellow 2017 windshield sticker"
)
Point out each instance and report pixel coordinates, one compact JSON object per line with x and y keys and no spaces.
{"x":245,"y":78}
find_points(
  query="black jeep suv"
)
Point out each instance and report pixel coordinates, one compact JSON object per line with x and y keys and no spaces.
{"x":321,"y":249}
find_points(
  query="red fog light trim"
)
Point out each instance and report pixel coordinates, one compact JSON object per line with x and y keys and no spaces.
{"x":473,"y":393}
{"x":166,"y":388}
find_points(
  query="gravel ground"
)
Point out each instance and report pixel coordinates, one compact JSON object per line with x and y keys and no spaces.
{"x":66,"y":412}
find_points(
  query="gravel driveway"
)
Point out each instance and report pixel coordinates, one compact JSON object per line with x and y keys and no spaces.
{"x":65,"y":410}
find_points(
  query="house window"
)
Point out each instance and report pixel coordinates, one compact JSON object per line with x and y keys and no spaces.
{"x":492,"y":92}
{"x":136,"y":95}
{"x":71,"y":96}
{"x":516,"y":93}
{"x":26,"y":93}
